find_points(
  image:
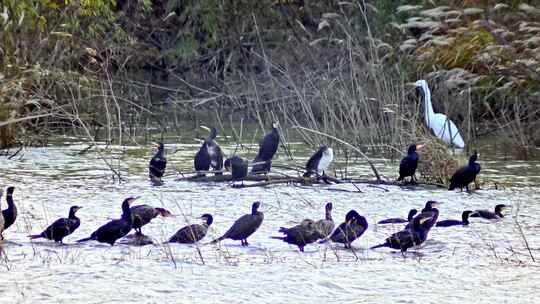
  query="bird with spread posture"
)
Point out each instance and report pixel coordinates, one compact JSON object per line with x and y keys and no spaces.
{"x":238,"y":168}
{"x":464,"y":220}
{"x":61,"y":228}
{"x":440,"y":124}
{"x":326,"y":225}
{"x":398,"y":220}
{"x":143,"y":214}
{"x":209,"y":155}
{"x":430,"y":212}
{"x":267,"y":148}
{"x":10,"y":214}
{"x":409,"y":163}
{"x":465,"y":175}
{"x":489,"y":214}
{"x":115,"y":229}
{"x":408,"y":237}
{"x":319,"y":161}
{"x":354,"y":226}
{"x":300,"y":235}
{"x":244,"y":226}
{"x":158,"y":163}
{"x":193,"y":233}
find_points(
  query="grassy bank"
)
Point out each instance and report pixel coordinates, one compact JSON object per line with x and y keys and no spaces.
{"x":116,"y":71}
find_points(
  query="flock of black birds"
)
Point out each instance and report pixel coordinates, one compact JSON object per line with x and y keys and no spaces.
{"x":308,"y":231}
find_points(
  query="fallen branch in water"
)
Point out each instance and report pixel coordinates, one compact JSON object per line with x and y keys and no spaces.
{"x":274,"y":179}
{"x":375,"y":172}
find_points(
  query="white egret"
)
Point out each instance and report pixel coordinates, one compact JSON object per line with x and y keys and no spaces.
{"x":440,"y":124}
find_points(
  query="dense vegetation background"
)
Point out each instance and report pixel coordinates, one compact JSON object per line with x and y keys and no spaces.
{"x":115,"y":70}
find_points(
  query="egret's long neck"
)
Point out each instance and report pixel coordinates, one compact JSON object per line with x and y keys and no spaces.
{"x":428,"y":108}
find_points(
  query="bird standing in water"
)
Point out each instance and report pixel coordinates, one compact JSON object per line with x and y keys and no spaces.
{"x":464,"y":220}
{"x":10,"y":214}
{"x":326,"y":225}
{"x":209,"y":155}
{"x":115,"y":229}
{"x":193,"y":233}
{"x":2,"y":221}
{"x":267,"y":148}
{"x":61,"y":228}
{"x":158,"y":163}
{"x":430,"y":212}
{"x":409,"y":163}
{"x":319,"y":161}
{"x":238,"y":168}
{"x":408,"y":237}
{"x":398,"y":220}
{"x":244,"y":226}
{"x":465,"y":175}
{"x":489,"y":214}
{"x":300,"y":235}
{"x":143,"y":214}
{"x":440,"y":124}
{"x":354,"y":226}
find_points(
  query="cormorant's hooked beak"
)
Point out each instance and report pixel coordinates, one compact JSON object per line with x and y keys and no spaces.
{"x":130,"y":201}
{"x":506,"y":208}
{"x":78,"y":208}
{"x":350,"y":221}
{"x":420,"y":146}
{"x":423,"y":220}
{"x":435,"y":204}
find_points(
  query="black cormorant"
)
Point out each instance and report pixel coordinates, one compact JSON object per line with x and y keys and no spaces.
{"x":245,"y":226}
{"x":61,"y":228}
{"x":114,"y":229}
{"x":464,"y":220}
{"x":143,"y":214}
{"x":158,"y":163}
{"x":465,"y":175}
{"x":10,"y":214}
{"x":490,"y":215}
{"x":193,"y":233}
{"x":326,"y":225}
{"x":2,"y":221}
{"x":202,"y":159}
{"x":300,"y":235}
{"x":238,"y":168}
{"x":409,"y":163}
{"x":209,"y":155}
{"x":430,"y":212}
{"x":267,"y":148}
{"x":409,"y":237}
{"x":319,"y":161}
{"x":398,"y":220}
{"x":354,"y":226}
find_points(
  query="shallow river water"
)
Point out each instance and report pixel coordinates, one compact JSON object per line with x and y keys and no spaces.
{"x":486,"y":262}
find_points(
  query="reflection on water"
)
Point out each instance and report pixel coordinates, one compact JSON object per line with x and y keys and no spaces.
{"x":485,"y":262}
